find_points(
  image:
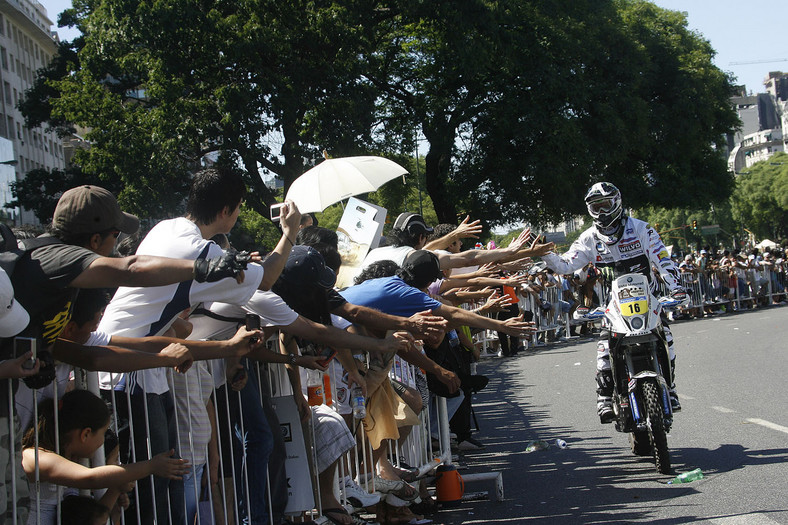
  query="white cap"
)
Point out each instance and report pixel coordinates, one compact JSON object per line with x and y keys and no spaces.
{"x":703,"y":251}
{"x":13,"y":317}
{"x":688,"y":257}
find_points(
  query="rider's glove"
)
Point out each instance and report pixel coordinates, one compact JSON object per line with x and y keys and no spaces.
{"x":230,"y":264}
{"x":680,"y":294}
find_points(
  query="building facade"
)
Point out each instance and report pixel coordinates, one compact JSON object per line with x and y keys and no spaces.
{"x":27,"y":44}
{"x":764,"y":120}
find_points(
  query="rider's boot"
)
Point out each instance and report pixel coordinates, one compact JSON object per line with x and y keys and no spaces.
{"x":604,"y":396}
{"x":674,"y":397}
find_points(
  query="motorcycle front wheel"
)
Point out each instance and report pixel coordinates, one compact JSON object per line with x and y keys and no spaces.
{"x":640,"y":443}
{"x":656,"y":426}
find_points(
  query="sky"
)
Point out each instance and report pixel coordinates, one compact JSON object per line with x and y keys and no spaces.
{"x":753,"y":31}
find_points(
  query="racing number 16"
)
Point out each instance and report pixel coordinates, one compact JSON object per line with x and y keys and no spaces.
{"x":634,"y":308}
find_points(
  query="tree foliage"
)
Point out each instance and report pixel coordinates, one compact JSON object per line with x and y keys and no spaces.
{"x":761,"y":198}
{"x":40,"y":190}
{"x":522,"y":104}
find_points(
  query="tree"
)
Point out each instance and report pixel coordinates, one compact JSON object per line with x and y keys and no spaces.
{"x":159,"y":85}
{"x":760,"y":202}
{"x":631,"y":96}
{"x":523,"y":104}
{"x":40,"y":190}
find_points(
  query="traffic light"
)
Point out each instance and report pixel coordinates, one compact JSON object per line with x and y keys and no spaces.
{"x":694,"y":224}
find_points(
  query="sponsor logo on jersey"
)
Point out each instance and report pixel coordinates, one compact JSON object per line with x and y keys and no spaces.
{"x":630,"y":247}
{"x":600,"y":246}
{"x":664,"y":254}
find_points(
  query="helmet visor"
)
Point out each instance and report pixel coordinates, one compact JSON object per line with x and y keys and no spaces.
{"x":601,"y":206}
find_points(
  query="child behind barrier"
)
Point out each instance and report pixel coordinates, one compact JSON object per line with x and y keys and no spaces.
{"x":83,"y":419}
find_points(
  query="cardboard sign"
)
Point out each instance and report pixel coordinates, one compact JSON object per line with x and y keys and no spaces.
{"x":359,"y":232}
{"x":299,"y":481}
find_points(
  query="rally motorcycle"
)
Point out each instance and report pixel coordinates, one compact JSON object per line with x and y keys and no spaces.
{"x":640,"y":365}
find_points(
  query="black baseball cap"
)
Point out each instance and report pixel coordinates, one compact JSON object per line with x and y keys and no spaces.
{"x":412,"y":222}
{"x":306,"y":266}
{"x":423,"y":265}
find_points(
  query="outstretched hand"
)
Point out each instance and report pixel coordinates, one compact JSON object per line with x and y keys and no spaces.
{"x":423,"y":324}
{"x":520,"y":241}
{"x":468,"y":229}
{"x":515,"y":326}
{"x":165,"y":466}
{"x":229,"y":264}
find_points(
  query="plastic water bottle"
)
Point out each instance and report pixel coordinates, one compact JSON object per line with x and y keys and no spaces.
{"x":454,"y":340}
{"x":560,"y":443}
{"x":533,"y":446}
{"x":687,"y":477}
{"x":314,"y":388}
{"x":358,"y":402}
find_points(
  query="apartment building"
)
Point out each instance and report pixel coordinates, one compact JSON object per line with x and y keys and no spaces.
{"x":764,"y":118}
{"x":27,"y":44}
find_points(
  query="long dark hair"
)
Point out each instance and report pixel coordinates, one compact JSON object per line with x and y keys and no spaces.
{"x":78,"y":409}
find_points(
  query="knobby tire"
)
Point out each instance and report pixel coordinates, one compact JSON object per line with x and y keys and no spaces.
{"x":657,"y":434}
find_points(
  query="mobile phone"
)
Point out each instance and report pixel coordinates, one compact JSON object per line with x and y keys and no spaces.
{"x":327,"y":354}
{"x":23,"y":345}
{"x":253,"y":323}
{"x":276,"y":211}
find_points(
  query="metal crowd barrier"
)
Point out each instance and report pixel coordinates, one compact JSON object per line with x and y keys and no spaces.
{"x":713,"y":288}
{"x":417,"y":450}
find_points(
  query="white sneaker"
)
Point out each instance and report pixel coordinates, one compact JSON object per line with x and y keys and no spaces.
{"x":357,"y":496}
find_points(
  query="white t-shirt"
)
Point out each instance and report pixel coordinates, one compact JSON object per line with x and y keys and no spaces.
{"x":271,"y":308}
{"x":387,"y":253}
{"x":140,"y":312}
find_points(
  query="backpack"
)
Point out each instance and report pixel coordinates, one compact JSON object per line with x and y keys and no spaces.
{"x":12,"y":250}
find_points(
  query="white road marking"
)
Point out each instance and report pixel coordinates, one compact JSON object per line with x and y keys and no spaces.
{"x":724,"y":410}
{"x":744,"y":519}
{"x":682,"y":396}
{"x":768,"y":424}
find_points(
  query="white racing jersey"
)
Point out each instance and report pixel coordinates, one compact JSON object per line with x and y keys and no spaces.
{"x":637,"y":251}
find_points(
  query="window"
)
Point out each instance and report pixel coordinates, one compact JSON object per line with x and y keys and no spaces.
{"x":18,"y":131}
{"x":4,"y":58}
{"x":7,"y":90}
{"x":2,"y":25}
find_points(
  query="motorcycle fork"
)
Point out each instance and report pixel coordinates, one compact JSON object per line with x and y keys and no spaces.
{"x":665,"y":375}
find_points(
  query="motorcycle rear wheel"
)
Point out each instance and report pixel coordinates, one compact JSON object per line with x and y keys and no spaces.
{"x":656,"y":432}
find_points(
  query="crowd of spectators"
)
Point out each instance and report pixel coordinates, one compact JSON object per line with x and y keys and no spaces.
{"x":182,"y":344}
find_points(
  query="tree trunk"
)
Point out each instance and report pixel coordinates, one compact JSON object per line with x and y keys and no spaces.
{"x":437,"y":165}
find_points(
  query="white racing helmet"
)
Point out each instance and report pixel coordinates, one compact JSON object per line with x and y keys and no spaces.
{"x":603,"y":201}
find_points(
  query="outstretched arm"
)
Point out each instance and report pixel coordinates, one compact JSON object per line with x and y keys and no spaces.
{"x":274,"y":263}
{"x":514,"y":326}
{"x":420,"y":324}
{"x":56,"y":469}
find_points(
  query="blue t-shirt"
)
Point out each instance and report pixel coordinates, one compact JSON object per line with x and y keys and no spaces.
{"x":390,"y":295}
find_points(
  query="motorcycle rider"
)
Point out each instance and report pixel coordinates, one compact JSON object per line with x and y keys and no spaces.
{"x":623,"y":245}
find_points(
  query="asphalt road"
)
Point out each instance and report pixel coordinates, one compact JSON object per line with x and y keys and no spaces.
{"x":731,"y":379}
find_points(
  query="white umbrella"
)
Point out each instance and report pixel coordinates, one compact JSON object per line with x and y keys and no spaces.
{"x":766,"y":243}
{"x":334,"y":180}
